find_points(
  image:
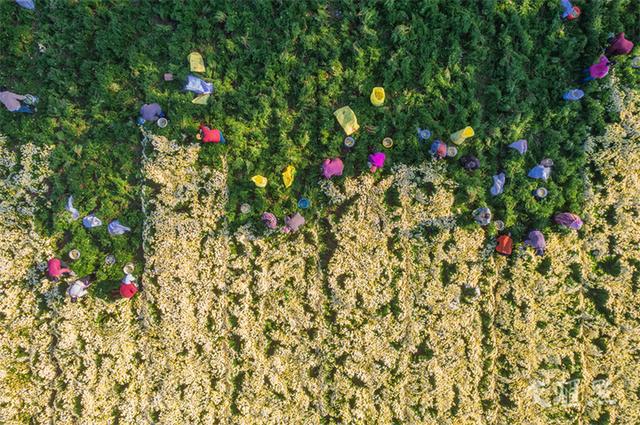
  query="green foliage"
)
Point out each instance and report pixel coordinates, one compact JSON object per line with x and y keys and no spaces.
{"x":280,"y":70}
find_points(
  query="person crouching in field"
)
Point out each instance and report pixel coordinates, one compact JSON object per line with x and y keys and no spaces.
{"x":208,"y":135}
{"x":293,"y":223}
{"x":128,"y":287}
{"x":14,"y":102}
{"x":150,"y":112}
{"x":78,"y":289}
{"x":597,"y":70}
{"x":57,"y":269}
{"x":619,"y":45}
{"x":536,"y":241}
{"x":376,"y":161}
{"x":570,"y":12}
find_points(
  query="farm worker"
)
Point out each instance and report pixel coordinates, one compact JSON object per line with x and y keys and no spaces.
{"x":376,"y":160}
{"x":12,"y":102}
{"x":198,"y":85}
{"x":438,"y":149}
{"x":619,"y":46}
{"x":347,"y":119}
{"x":116,"y":228}
{"x":56,"y":268}
{"x":470,"y":162}
{"x":482,"y":216}
{"x":128,"y":287}
{"x":269,"y":220}
{"x":520,"y":145}
{"x":196,"y":62}
{"x":536,"y":241}
{"x":540,"y":172}
{"x":461,"y":135}
{"x":498,"y":184}
{"x":572,"y":221}
{"x":27,"y":4}
{"x":78,"y":289}
{"x":332,"y":167}
{"x":91,"y":221}
{"x":570,"y":12}
{"x":288,"y":175}
{"x":75,"y":214}
{"x":293,"y":223}
{"x":211,"y":136}
{"x":505,"y":245}
{"x":597,"y":70}
{"x":151,"y":112}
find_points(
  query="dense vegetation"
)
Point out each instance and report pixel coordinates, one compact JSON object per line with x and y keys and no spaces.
{"x":390,"y":304}
{"x":279,"y":71}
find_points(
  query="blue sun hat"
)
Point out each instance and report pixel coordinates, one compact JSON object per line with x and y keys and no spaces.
{"x":423,"y":134}
{"x":573,"y":95}
{"x":304,"y":203}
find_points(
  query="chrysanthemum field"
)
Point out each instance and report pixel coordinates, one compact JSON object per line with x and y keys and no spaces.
{"x":390,"y":305}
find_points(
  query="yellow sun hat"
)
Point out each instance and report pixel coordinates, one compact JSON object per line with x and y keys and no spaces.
{"x":260,"y":181}
{"x":377,"y":96}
